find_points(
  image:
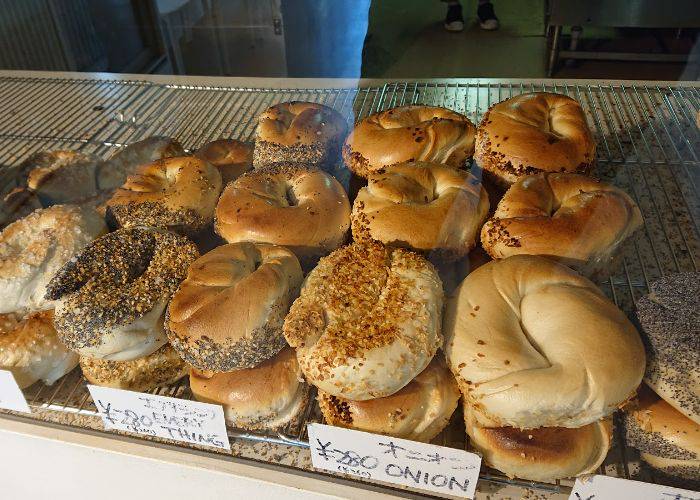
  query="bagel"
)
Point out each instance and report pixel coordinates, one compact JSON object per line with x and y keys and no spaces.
{"x":178,"y":193}
{"x":423,"y":206}
{"x":111,"y":297}
{"x":17,"y":204}
{"x":670,"y":316}
{"x":300,"y":207}
{"x":409,"y":133}
{"x":269,"y":396}
{"x":532,"y":133}
{"x":61,"y":176}
{"x":518,"y":327}
{"x":367,"y":321}
{"x":228,"y":312}
{"x":231,"y":157}
{"x":160,"y":368}
{"x":30,"y":349}
{"x":303,"y":132}
{"x":667,"y":439}
{"x":545,"y":454}
{"x":571,"y":218}
{"x":34,"y":248}
{"x":419,"y":411}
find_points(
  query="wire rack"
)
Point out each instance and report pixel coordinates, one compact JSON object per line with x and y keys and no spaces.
{"x":647,"y":144}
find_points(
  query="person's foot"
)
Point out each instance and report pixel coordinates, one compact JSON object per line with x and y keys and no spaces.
{"x":487,"y":17}
{"x":454,"y":20}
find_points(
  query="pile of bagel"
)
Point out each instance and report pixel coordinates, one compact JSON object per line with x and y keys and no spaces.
{"x":418,"y":286}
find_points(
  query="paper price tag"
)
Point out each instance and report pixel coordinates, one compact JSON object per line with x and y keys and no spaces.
{"x":399,"y":461}
{"x":11,"y":396}
{"x":171,"y":418}
{"x":612,"y":488}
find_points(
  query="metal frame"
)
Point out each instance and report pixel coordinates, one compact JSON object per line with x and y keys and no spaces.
{"x":647,"y":144}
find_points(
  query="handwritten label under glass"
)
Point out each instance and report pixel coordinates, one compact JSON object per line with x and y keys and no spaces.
{"x":11,"y":396}
{"x":612,"y":488}
{"x":398,"y":461}
{"x":159,"y":416}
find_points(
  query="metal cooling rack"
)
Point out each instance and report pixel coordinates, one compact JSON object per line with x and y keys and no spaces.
{"x":647,"y":145}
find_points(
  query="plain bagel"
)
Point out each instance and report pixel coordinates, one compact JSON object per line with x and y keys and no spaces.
{"x":112,"y":296}
{"x":228,"y":312}
{"x":518,"y":327}
{"x":571,"y":218}
{"x":532,"y":133}
{"x":231,"y":157}
{"x":409,"y":133}
{"x":367,"y":320}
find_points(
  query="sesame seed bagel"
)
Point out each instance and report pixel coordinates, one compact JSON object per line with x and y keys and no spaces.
{"x":571,"y":218}
{"x":545,"y":454}
{"x":112,"y":296}
{"x":409,"y":133}
{"x":162,"y":367}
{"x":670,"y":319}
{"x":178,"y":193}
{"x":300,"y":207}
{"x":228,"y":313}
{"x":34,"y":248}
{"x":269,"y":396}
{"x":663,"y":433}
{"x":30,"y":349}
{"x":518,"y":327}
{"x":424,"y":206}
{"x":532,"y":133}
{"x":367,"y":320}
{"x":231,"y":157}
{"x":304,"y":132}
{"x":419,"y":411}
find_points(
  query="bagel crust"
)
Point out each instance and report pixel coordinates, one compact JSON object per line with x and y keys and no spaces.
{"x":409,"y":133}
{"x":178,"y":193}
{"x":297,"y":131}
{"x":520,"y":327}
{"x":419,"y":411}
{"x":112,"y":296}
{"x":367,"y":321}
{"x":228,"y":313}
{"x":571,"y":218}
{"x":231,"y":157}
{"x":424,"y":206}
{"x":532,"y":133}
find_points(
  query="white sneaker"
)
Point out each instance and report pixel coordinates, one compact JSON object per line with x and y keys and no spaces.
{"x":489,"y":24}
{"x":455,"y":26}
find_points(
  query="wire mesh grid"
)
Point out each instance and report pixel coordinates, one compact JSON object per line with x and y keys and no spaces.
{"x":647,"y":144}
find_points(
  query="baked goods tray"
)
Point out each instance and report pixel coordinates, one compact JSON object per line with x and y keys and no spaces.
{"x":647,"y":144}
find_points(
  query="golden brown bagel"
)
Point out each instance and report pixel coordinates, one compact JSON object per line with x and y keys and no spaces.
{"x":178,"y":193}
{"x":304,"y":132}
{"x":545,"y":454}
{"x":534,"y":344}
{"x":231,"y":157}
{"x":267,"y":397}
{"x":423,"y":206}
{"x":532,"y":133}
{"x":419,"y":411}
{"x":300,"y":207}
{"x":406,"y":133}
{"x":571,"y":218}
{"x":228,"y":313}
{"x":61,"y":176}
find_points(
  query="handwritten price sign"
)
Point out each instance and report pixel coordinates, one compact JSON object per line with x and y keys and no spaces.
{"x":159,"y":416}
{"x":612,"y":488}
{"x":398,"y":461}
{"x":11,"y":396}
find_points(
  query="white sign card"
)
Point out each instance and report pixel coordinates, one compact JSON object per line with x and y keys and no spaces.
{"x":160,"y":416}
{"x":612,"y":488}
{"x":399,"y":461}
{"x":11,"y":396}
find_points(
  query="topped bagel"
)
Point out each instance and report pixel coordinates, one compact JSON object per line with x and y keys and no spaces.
{"x":178,"y":193}
{"x":517,"y":328}
{"x":532,"y":133}
{"x":409,"y":133}
{"x":112,"y":296}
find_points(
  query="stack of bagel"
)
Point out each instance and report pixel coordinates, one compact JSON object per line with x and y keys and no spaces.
{"x":255,"y":269}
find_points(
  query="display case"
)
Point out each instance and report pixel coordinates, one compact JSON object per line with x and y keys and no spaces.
{"x":646,"y":145}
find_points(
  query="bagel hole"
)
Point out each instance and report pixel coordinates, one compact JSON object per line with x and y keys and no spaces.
{"x":291,"y":198}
